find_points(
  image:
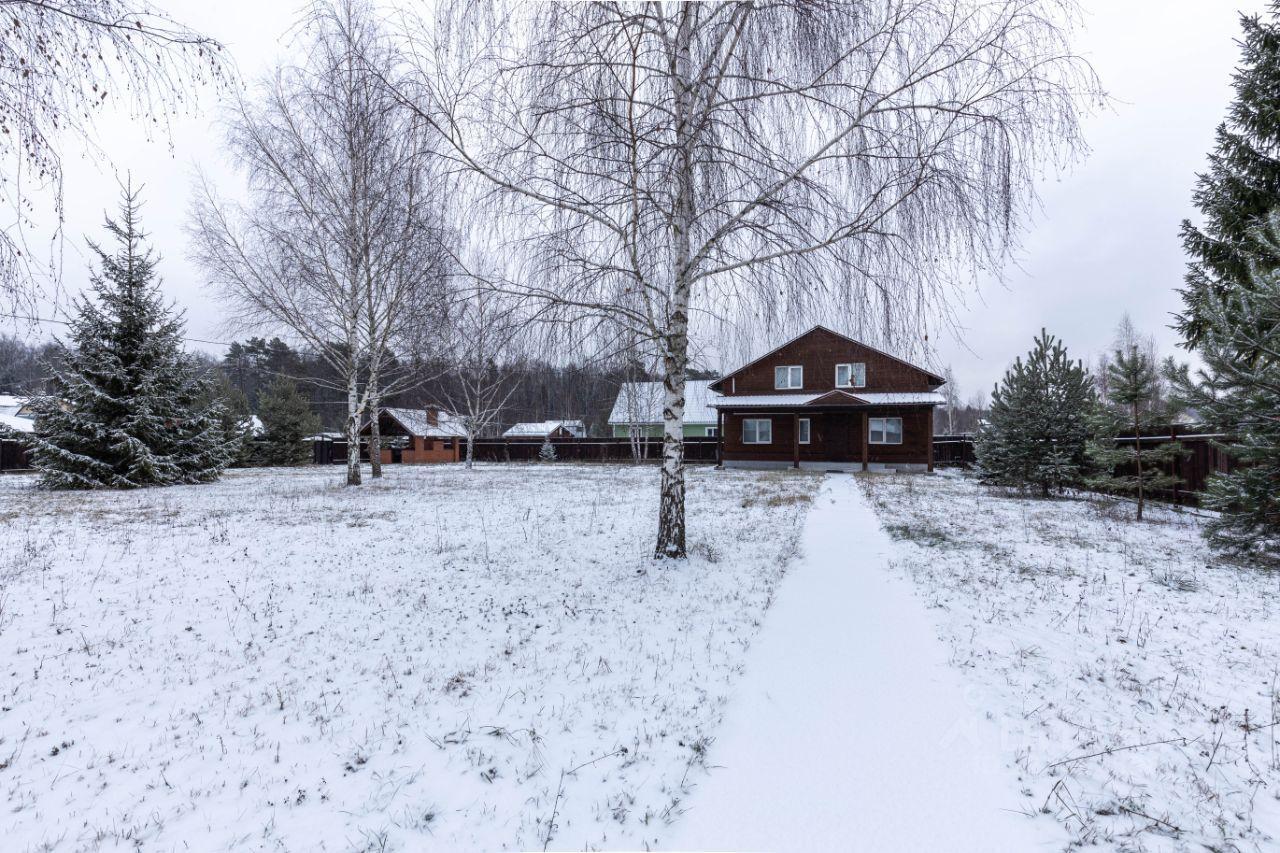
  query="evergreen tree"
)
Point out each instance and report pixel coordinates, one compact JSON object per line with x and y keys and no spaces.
{"x":128,"y":407}
{"x":287,"y":420}
{"x":1241,"y":396}
{"x":1242,"y":184}
{"x":234,"y":417}
{"x":1131,"y":405}
{"x":547,"y":452}
{"x":1038,"y":423}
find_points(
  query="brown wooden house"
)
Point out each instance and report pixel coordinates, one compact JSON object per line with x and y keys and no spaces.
{"x":419,"y":435}
{"x":828,"y":402}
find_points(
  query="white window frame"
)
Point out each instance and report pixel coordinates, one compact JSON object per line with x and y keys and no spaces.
{"x":857,"y":377}
{"x":805,"y":430}
{"x":883,"y":430}
{"x":713,"y":432}
{"x":791,"y":372}
{"x":757,"y":422}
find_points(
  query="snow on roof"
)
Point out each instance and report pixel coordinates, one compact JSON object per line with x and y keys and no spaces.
{"x":544,"y":428}
{"x":16,"y":424}
{"x":894,"y":398}
{"x":641,"y":403}
{"x":11,"y":405}
{"x":415,"y":421}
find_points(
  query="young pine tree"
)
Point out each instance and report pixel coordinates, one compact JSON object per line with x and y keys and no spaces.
{"x":1131,"y":405}
{"x":547,"y":452}
{"x":1242,"y":183}
{"x":129,"y":408}
{"x":287,"y":420}
{"x":1238,"y":392}
{"x":1035,"y":432}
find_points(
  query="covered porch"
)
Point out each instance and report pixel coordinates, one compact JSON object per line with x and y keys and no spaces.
{"x":826,"y":437}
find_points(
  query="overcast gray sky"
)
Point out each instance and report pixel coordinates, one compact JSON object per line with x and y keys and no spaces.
{"x":1106,"y":241}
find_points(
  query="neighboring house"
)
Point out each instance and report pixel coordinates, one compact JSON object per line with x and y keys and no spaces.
{"x":542,"y":430}
{"x":638,"y":410}
{"x":16,"y":423}
{"x":826,"y":401}
{"x":418,"y":436}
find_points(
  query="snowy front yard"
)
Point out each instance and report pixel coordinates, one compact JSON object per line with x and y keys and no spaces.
{"x":1134,"y":677}
{"x":442,"y":660}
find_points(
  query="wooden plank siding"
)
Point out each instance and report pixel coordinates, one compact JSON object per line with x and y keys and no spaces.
{"x":834,"y":436}
{"x":819,"y":352}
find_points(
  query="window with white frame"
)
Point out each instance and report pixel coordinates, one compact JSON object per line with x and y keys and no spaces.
{"x":851,"y":375}
{"x":885,"y":430}
{"x":804,"y":431}
{"x":757,"y":431}
{"x":788,"y":377}
{"x":712,"y":432}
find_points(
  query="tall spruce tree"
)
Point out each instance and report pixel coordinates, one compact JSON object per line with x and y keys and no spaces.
{"x":1242,"y":184}
{"x":287,"y":420}
{"x":1238,"y":392}
{"x":1036,"y":430}
{"x":1131,"y":405}
{"x":129,"y":408}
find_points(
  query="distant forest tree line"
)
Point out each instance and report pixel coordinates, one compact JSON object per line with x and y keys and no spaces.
{"x":541,"y":391}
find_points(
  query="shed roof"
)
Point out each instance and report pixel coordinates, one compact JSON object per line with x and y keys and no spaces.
{"x":16,"y":424}
{"x":641,"y":403}
{"x":543,"y":428}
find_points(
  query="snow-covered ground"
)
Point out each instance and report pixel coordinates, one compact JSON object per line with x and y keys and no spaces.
{"x":1135,"y":677}
{"x":444,"y":660}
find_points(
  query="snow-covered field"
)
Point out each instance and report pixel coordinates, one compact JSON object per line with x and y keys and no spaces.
{"x":442,"y":660}
{"x":1135,"y":678}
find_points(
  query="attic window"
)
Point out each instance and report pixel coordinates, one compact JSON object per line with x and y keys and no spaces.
{"x":851,"y":375}
{"x":788,"y":377}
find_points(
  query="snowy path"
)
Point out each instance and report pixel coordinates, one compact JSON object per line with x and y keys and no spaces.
{"x":849,"y":730}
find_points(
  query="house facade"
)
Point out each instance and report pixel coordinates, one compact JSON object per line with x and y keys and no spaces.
{"x":638,"y":410}
{"x":417,"y":436}
{"x":828,"y":402}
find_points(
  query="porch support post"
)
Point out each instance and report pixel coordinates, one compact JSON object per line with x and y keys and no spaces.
{"x":865,"y":436}
{"x":930,"y":441}
{"x":719,"y":438}
{"x":795,"y":440}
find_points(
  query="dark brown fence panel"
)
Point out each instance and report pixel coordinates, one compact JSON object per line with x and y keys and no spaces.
{"x":696,"y":450}
{"x":1202,"y":456}
{"x":13,"y":456}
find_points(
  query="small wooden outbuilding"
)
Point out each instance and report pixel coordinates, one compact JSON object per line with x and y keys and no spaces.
{"x":417,"y":436}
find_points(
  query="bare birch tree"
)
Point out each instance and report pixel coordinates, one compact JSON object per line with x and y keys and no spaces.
{"x":484,"y":348}
{"x":61,"y":63}
{"x":338,"y":242}
{"x":669,"y":162}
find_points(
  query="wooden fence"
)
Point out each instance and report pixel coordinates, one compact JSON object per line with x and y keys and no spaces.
{"x":699,"y":450}
{"x":13,"y":456}
{"x":1201,"y":457}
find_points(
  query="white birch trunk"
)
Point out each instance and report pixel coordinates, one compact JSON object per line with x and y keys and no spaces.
{"x":675,"y":355}
{"x":353,"y":430}
{"x":471,"y":447}
{"x":375,"y":434}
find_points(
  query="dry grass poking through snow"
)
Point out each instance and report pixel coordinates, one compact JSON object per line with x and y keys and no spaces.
{"x":443,"y":660}
{"x":1135,"y":676}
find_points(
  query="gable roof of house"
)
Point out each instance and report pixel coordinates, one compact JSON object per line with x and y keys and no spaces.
{"x":415,"y":422}
{"x":16,"y":423}
{"x":543,"y":428}
{"x":933,"y":376}
{"x":641,"y":403}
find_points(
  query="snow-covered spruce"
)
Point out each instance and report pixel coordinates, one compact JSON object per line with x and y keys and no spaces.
{"x":1035,"y":433}
{"x":129,"y":407}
